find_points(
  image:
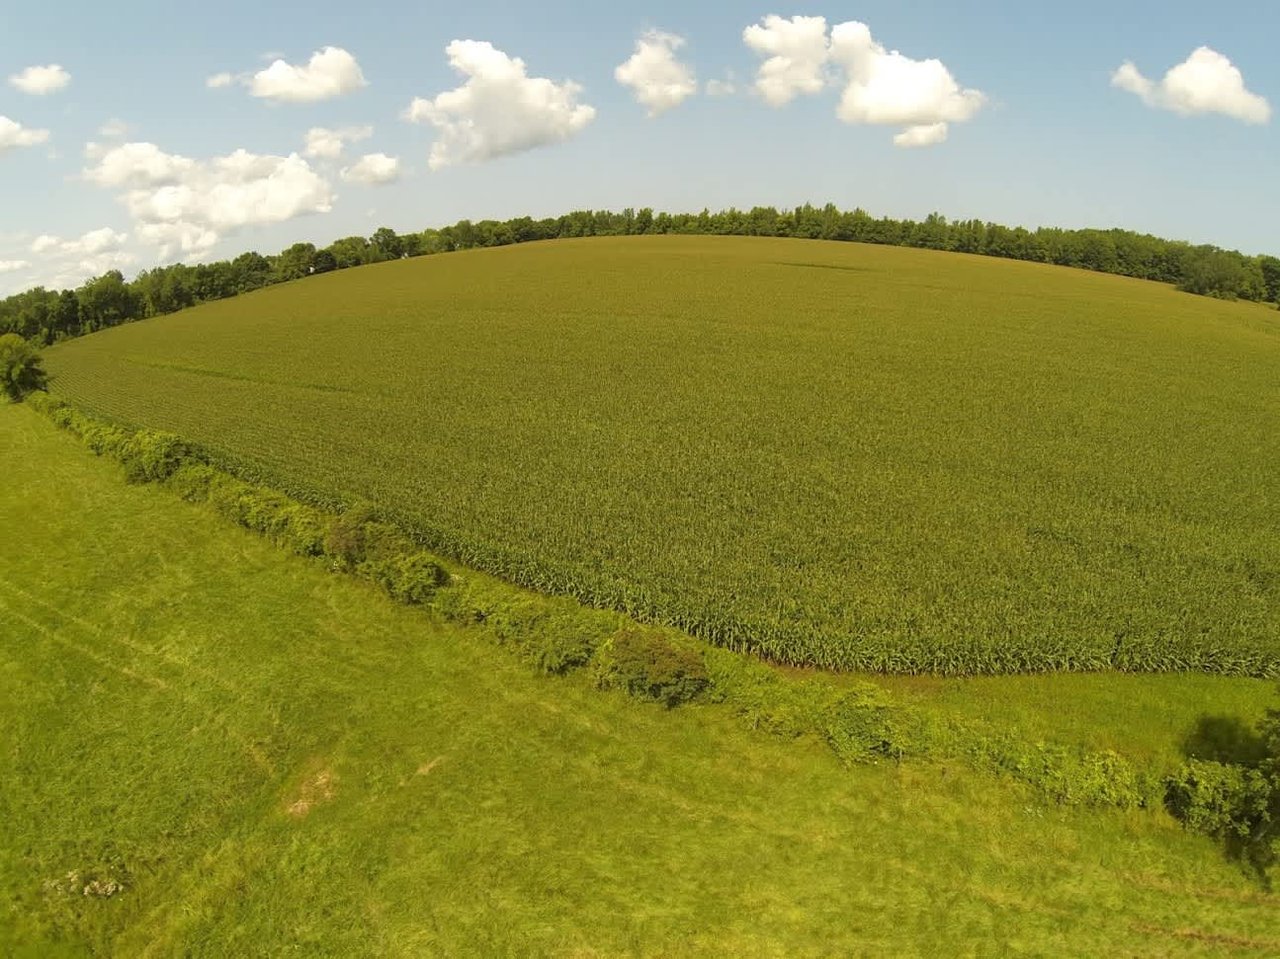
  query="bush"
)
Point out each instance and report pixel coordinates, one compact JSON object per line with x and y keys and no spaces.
{"x":1220,"y":800}
{"x":344,"y":539}
{"x":554,"y":634}
{"x":191,"y":481}
{"x":20,"y":369}
{"x":856,"y":721}
{"x":644,"y":663}
{"x":411,"y":579}
{"x":149,"y":456}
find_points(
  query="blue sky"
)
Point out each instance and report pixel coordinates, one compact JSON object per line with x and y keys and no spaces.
{"x":1053,"y":142}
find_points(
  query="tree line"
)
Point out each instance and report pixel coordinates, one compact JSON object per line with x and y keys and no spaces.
{"x":46,"y":316}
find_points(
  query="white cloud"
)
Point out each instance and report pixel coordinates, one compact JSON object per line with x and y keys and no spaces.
{"x":886,"y":87}
{"x":219,"y":81}
{"x":13,"y":266}
{"x":880,"y":86}
{"x":658,"y":80}
{"x":114,"y":129}
{"x":373,"y":169}
{"x":136,"y":165}
{"x":329,"y":73}
{"x":88,"y":244}
{"x":329,"y":144}
{"x":1206,"y":82}
{"x":797,"y":55}
{"x":182,"y":204}
{"x":722,"y":88}
{"x":14,"y":134}
{"x":69,"y":262}
{"x":923,"y":135}
{"x":499,"y":110}
{"x":39,"y":81}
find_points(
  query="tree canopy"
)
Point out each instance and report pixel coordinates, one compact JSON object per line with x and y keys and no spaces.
{"x":20,"y":368}
{"x":46,"y":316}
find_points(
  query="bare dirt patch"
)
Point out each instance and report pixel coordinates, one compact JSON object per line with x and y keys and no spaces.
{"x":315,"y":789}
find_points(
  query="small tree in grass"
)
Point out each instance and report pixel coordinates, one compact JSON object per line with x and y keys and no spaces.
{"x":20,"y":368}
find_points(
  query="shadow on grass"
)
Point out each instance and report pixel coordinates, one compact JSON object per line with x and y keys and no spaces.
{"x":1225,"y":739}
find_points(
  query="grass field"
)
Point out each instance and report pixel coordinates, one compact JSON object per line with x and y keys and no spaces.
{"x":274,"y":760}
{"x":848,"y":456}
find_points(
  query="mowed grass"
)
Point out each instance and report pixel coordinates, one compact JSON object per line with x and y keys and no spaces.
{"x":274,"y":760}
{"x":838,"y":455}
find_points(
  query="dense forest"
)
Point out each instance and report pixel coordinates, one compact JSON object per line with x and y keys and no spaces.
{"x":49,"y":315}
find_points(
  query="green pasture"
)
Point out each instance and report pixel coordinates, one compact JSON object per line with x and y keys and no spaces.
{"x":847,"y":456}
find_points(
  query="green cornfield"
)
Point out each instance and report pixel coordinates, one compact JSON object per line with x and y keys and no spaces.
{"x":835,"y":455}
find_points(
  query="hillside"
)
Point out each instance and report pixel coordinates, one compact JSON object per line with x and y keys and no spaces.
{"x":237,"y":752}
{"x":841,"y":455}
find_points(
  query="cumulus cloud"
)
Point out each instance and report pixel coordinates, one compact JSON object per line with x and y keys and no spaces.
{"x":329,"y":73}
{"x":880,"y":86}
{"x":89,"y":244}
{"x":1206,"y":82}
{"x":13,"y":266}
{"x":14,"y":134}
{"x":885,"y":87}
{"x":657,"y":79}
{"x":328,"y":144}
{"x":39,"y":81}
{"x":796,"y":50}
{"x":923,"y":135}
{"x":499,"y":110}
{"x":219,"y":81}
{"x":66,"y":263}
{"x":373,"y":169}
{"x":182,"y":204}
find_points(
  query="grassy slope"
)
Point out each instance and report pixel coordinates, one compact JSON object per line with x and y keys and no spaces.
{"x":171,"y":687}
{"x":864,"y":456}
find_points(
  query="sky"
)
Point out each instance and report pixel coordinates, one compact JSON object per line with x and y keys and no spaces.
{"x":139,"y":132}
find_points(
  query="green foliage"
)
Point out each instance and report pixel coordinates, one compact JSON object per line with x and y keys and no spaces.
{"x":842,"y":456}
{"x":647,"y":663}
{"x":21,"y":370}
{"x":855,"y":720}
{"x":151,"y":457}
{"x":554,"y":635}
{"x":411,"y":579}
{"x":1221,"y":800}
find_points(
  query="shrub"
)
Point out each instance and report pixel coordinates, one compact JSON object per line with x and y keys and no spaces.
{"x":149,"y":456}
{"x":191,"y":481}
{"x":856,"y":721}
{"x":1220,"y":800}
{"x":20,"y":369}
{"x":344,"y":539}
{"x":411,"y":579}
{"x":644,"y":663}
{"x":554,"y":634}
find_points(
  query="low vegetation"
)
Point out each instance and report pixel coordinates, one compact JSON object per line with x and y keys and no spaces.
{"x":839,"y":455}
{"x":217,"y":748}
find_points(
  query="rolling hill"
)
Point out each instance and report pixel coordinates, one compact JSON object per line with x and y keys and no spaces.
{"x":837,"y":455}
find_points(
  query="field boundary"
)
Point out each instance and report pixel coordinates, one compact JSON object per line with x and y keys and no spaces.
{"x":857,"y":720}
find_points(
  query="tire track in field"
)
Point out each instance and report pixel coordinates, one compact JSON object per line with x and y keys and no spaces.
{"x":198,"y":705}
{"x":153,"y":681}
{"x":98,"y":633}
